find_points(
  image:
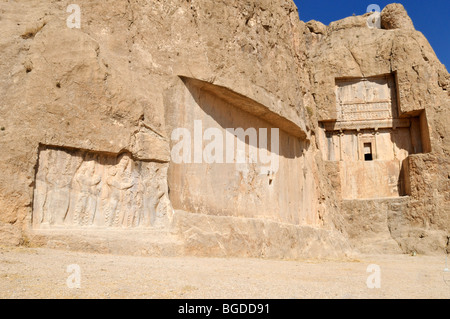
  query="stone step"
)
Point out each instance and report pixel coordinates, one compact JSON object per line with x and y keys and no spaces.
{"x":151,"y":242}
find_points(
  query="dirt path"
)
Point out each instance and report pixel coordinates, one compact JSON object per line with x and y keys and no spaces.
{"x":42,"y":273}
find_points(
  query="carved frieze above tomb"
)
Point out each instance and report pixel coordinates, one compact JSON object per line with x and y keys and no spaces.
{"x":366,"y":99}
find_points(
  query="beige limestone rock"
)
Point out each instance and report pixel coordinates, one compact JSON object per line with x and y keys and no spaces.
{"x":394,"y":16}
{"x":348,"y":23}
{"x":80,"y":188}
{"x":352,"y":50}
{"x":317,"y":27}
{"x":75,"y":102}
{"x":10,"y":235}
{"x":103,"y":90}
{"x":225,"y":237}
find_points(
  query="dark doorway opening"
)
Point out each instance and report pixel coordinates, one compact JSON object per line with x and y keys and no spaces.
{"x":368,"y":155}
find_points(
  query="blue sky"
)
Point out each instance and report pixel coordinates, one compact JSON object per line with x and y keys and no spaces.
{"x":431,"y":17}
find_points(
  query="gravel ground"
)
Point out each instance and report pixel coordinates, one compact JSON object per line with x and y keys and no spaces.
{"x":43,"y":273}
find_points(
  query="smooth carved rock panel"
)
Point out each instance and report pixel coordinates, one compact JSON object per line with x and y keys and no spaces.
{"x":79,"y":188}
{"x":366,"y":99}
{"x":286,"y":193}
{"x":369,"y":180}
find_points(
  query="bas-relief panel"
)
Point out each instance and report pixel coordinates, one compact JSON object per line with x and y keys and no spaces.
{"x":80,"y":188}
{"x":366,"y":99}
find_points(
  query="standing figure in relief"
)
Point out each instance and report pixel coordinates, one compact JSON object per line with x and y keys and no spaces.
{"x":376,"y":94}
{"x":40,"y":190}
{"x":134,"y":208}
{"x":354,"y":93}
{"x":152,"y":195}
{"x":369,"y":92}
{"x":110,"y":194}
{"x":58,"y":181}
{"x":117,"y":184}
{"x":87,"y":183}
{"x":132,"y":197}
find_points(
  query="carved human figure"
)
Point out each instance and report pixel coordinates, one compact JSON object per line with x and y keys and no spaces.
{"x":57,"y":180}
{"x":40,"y":191}
{"x":354,"y":95}
{"x":133,"y":202}
{"x":118,"y":183}
{"x":376,"y":94}
{"x":153,"y":193}
{"x":87,"y":182}
{"x":133,"y":197}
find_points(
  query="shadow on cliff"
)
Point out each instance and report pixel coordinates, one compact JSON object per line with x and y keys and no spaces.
{"x":230,"y":114}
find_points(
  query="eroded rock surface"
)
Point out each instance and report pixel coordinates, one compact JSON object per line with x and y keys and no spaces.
{"x":394,"y":16}
{"x":88,"y":115}
{"x":352,"y":123}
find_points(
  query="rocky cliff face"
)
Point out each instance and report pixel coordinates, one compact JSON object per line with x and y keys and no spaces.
{"x":87,"y":117}
{"x":350,"y":49}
